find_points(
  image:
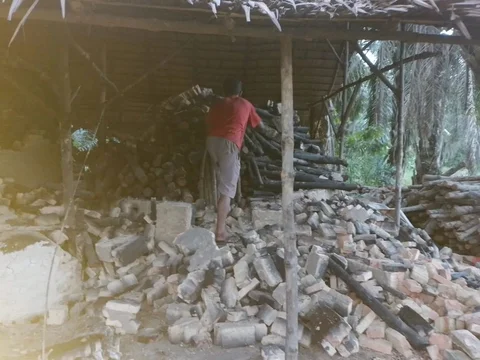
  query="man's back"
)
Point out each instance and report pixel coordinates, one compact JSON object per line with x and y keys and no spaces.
{"x":230,"y":117}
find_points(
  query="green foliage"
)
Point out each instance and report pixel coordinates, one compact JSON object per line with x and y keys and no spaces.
{"x":84,"y":140}
{"x":366,"y":151}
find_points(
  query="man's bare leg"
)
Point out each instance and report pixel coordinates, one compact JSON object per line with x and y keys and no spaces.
{"x":223,"y":208}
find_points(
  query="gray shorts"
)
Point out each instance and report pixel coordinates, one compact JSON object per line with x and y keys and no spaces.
{"x":226,"y":157}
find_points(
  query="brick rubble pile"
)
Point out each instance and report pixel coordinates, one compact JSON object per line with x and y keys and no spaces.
{"x":234,"y":295}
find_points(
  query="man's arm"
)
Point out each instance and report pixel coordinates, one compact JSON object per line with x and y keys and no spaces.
{"x":254,"y":120}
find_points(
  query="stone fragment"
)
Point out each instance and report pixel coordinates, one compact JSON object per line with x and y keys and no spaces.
{"x":229,"y":293}
{"x":130,"y":250}
{"x":231,"y":335}
{"x":190,"y":288}
{"x":236,"y":316}
{"x":176,"y":311}
{"x":317,"y":262}
{"x":314,"y":221}
{"x":266,"y":270}
{"x":377,"y":330}
{"x":363,"y":276}
{"x":210,"y":258}
{"x":280,"y":294}
{"x":434,"y":352}
{"x":173,"y":218}
{"x":122,"y":285}
{"x":213,"y":310}
{"x":467,"y":342}
{"x":337,"y":334}
{"x":455,"y":355}
{"x":419,"y":273}
{"x":246,"y":289}
{"x":412,"y":286}
{"x":399,"y":342}
{"x":365,"y":322}
{"x":379,"y":345}
{"x":105,"y":246}
{"x":58,"y":237}
{"x":272,"y":352}
{"x":194,"y":239}
{"x":183,"y":330}
{"x":267,"y":314}
{"x":265,"y":217}
{"x":443,"y":342}
{"x":241,"y":273}
{"x":357,"y":213}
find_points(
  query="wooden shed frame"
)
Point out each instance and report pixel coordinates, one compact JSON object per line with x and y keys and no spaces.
{"x":333,"y":23}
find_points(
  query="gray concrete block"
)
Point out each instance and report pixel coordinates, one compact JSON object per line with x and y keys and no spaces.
{"x":229,"y":293}
{"x":173,"y":218}
{"x":266,"y":270}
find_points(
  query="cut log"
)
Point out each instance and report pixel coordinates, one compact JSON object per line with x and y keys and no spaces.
{"x":417,"y":341}
{"x":319,"y":159}
{"x":320,"y":184}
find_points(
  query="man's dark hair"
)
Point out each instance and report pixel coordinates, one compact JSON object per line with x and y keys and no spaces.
{"x":232,"y":87}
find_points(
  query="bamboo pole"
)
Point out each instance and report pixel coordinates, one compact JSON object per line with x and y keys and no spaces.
{"x":400,"y":134}
{"x":102,"y":136}
{"x":291,"y":343}
{"x":66,"y":127}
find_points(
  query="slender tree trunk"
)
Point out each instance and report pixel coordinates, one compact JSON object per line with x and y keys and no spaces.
{"x":431,"y":122}
{"x":470,"y":113}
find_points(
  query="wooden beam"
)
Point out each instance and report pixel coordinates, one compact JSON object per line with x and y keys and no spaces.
{"x":343,"y":122}
{"x":421,"y":56}
{"x":374,"y":69}
{"x":400,"y":135}
{"x":288,"y":175}
{"x":66,"y":128}
{"x":95,"y":67}
{"x":192,"y":27}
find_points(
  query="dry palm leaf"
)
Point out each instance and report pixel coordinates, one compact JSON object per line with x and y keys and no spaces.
{"x":13,"y":8}
{"x":246,"y":10}
{"x":22,"y":22}
{"x":265,"y":9}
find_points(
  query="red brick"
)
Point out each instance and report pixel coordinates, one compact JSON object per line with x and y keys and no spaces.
{"x":444,"y":342}
{"x":379,"y":345}
{"x":434,"y":352}
{"x":377,"y":330}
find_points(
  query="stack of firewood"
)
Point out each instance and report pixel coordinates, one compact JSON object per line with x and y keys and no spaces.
{"x":449,"y":210}
{"x":167,"y":161}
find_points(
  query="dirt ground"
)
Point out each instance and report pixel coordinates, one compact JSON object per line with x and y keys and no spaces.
{"x":163,"y":350}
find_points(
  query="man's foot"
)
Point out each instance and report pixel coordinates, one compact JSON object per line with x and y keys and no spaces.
{"x":224,"y":238}
{"x":221,"y":237}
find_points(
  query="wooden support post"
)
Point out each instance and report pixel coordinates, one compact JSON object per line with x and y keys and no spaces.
{"x":66,"y":128}
{"x":102,"y":136}
{"x":341,"y":130}
{"x":400,"y":134}
{"x":291,"y":344}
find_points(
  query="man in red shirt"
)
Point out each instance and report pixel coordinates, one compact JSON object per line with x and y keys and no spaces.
{"x":226,"y":124}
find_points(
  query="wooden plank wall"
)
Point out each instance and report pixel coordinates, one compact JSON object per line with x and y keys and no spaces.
{"x":203,"y":60}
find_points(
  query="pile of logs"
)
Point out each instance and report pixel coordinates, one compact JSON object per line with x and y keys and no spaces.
{"x":449,"y":210}
{"x":262,"y":159}
{"x":164,"y":162}
{"x":167,"y":162}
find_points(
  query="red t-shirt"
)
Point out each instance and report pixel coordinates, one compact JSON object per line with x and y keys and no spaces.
{"x":229,"y":118}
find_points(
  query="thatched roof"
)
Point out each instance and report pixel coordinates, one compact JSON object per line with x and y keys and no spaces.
{"x":278,"y":9}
